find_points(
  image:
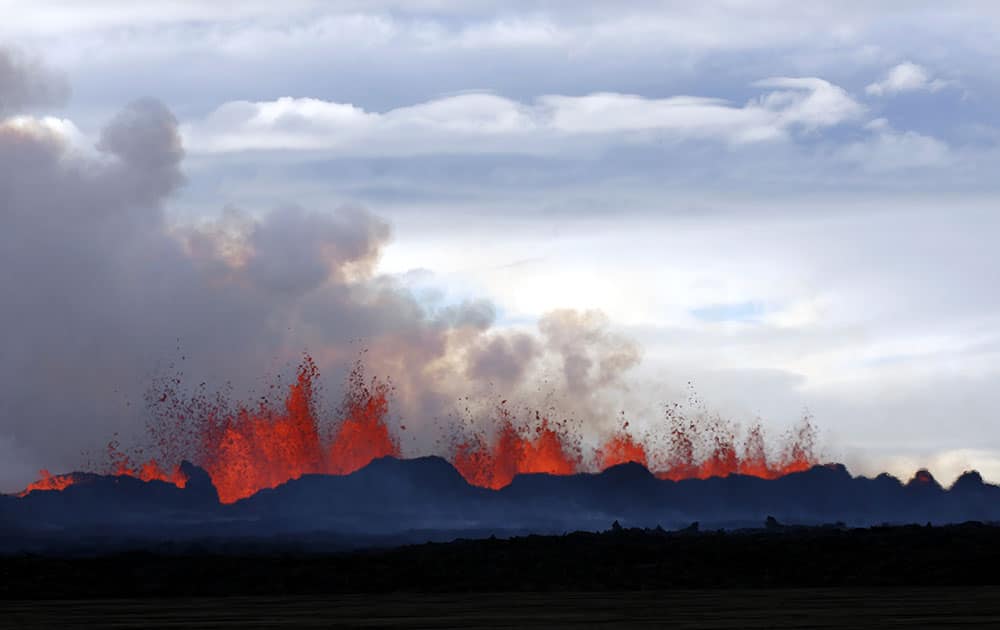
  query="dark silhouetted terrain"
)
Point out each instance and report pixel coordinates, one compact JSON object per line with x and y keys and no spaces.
{"x":617,"y":559}
{"x":326,"y":550}
{"x":392,"y":502}
{"x":682,"y":609}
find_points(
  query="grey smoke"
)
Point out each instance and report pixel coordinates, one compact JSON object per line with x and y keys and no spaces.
{"x":502,"y":359}
{"x":592,"y":356}
{"x":102,"y":292}
{"x":26,"y":82}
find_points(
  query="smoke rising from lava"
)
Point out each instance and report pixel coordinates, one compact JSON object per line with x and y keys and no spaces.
{"x":102,"y":287}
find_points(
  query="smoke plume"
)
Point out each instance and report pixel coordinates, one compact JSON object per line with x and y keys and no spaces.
{"x":104,"y":292}
{"x":26,"y":82}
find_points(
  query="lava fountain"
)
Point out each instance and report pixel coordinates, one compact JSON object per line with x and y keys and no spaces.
{"x":247,"y":448}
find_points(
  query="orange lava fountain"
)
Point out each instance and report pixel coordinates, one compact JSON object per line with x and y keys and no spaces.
{"x":249,"y":450}
{"x":621,"y":448}
{"x":516,"y":449}
{"x":252,"y":448}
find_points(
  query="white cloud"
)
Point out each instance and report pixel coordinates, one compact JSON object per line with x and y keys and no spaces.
{"x":799,"y":314}
{"x":906,"y":77}
{"x":509,"y":33}
{"x":481,"y":122}
{"x":888,"y":149}
{"x":65,"y":16}
{"x":809,"y":102}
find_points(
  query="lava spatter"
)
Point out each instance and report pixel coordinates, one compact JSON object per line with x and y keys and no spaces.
{"x":249,"y":447}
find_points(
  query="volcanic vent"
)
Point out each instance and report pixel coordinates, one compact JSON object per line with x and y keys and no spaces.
{"x":249,"y":447}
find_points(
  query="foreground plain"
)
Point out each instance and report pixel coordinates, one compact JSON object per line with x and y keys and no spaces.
{"x":772,"y":608}
{"x":620,"y":559}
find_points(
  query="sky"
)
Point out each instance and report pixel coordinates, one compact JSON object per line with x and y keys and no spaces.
{"x":787,"y":207}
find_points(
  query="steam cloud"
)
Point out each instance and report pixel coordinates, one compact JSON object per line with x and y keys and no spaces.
{"x":102,"y":289}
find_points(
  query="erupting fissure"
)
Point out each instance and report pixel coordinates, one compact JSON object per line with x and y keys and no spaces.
{"x":48,"y":481}
{"x":248,"y":448}
{"x":120,"y":465}
{"x":516,"y":449}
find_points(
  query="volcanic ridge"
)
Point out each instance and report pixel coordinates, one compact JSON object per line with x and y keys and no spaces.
{"x":279,"y":469}
{"x":395,"y":501}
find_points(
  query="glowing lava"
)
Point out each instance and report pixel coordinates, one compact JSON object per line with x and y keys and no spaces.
{"x":621,"y":448}
{"x":699,"y":449}
{"x":48,"y":481}
{"x":249,"y":448}
{"x":516,"y":449}
{"x":363,"y":434}
{"x":150,"y":471}
{"x":121,"y":466}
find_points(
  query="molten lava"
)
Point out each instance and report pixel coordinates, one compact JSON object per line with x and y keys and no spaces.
{"x":246,"y":451}
{"x":923,"y":477}
{"x":48,"y":481}
{"x":621,"y":448}
{"x":699,"y":449}
{"x":249,"y":448}
{"x":516,"y":449}
{"x":121,"y":466}
{"x":150,"y":471}
{"x":363,"y":434}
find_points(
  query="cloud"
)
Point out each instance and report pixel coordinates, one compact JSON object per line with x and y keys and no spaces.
{"x":26,"y":83}
{"x":808,"y":102}
{"x":488,"y":23}
{"x":906,"y":77}
{"x":101,"y":286}
{"x":481,"y":122}
{"x":887,"y":149}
